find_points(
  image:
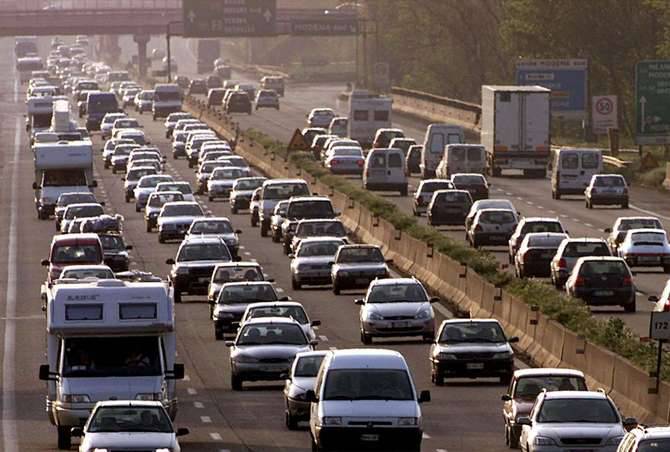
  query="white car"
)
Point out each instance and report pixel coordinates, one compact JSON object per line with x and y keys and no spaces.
{"x":355,"y":266}
{"x":320,"y":117}
{"x":132,"y":177}
{"x":291,"y":309}
{"x":243,"y":189}
{"x":129,"y":425}
{"x":175,"y":219}
{"x":182,"y":187}
{"x":488,"y":204}
{"x":221,"y":181}
{"x":145,"y":186}
{"x":124,"y":123}
{"x":607,"y":189}
{"x":144,"y":101}
{"x":646,"y":248}
{"x":108,"y":122}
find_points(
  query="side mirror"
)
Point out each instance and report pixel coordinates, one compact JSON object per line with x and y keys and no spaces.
{"x":310,"y":396}
{"x":44,"y":262}
{"x":434,"y":299}
{"x":129,"y":247}
{"x":314,"y":343}
{"x":169,"y":261}
{"x":506,"y":398}
{"x":316,"y":323}
{"x":359,"y":301}
{"x":513,"y":340}
{"x":424,"y":396}
{"x":229,"y":343}
{"x":291,"y":256}
{"x":524,"y":420}
{"x":389,"y":261}
{"x":102,"y":203}
{"x":94,"y":183}
{"x":238,"y":231}
{"x":182,"y":431}
{"x":608,"y":230}
{"x":284,"y":298}
{"x":35,"y":186}
{"x":178,"y":372}
{"x":77,"y":432}
{"x":653,"y":299}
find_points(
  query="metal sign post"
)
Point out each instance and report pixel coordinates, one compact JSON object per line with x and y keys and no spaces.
{"x":659,"y":329}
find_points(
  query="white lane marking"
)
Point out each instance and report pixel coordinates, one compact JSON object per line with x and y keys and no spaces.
{"x":508,"y":193}
{"x":425,"y":436}
{"x":588,"y":225}
{"x":323,"y":338}
{"x":576,"y":220}
{"x":242,"y":247}
{"x":198,"y":405}
{"x":205,"y":419}
{"x":530,"y":203}
{"x":191,"y":391}
{"x":552,"y":211}
{"x":540,"y":207}
{"x":440,"y":450}
{"x":215,"y":436}
{"x":8,"y":365}
{"x":563,"y":215}
{"x":519,"y":198}
{"x":187,"y":377}
{"x":247,"y":253}
{"x":332,"y":348}
{"x":279,"y":289}
{"x":648,"y":212}
{"x":254,"y":260}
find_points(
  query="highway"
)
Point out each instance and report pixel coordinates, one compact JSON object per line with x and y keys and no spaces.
{"x":463,"y":416}
{"x":532,"y":197}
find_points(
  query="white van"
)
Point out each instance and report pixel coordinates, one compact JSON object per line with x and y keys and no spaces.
{"x":365,"y":397}
{"x":167,"y":99}
{"x":437,"y":137}
{"x":572,"y":169}
{"x":339,"y":126}
{"x":462,"y":158}
{"x":385,"y":171}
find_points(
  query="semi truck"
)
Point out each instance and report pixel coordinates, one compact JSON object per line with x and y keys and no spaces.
{"x":516,"y":129}
{"x":207,"y":51}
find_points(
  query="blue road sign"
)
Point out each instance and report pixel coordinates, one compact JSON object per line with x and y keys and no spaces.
{"x":567,"y":79}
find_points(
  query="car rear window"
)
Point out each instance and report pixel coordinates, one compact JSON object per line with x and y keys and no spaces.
{"x":545,"y":241}
{"x":430,"y":187}
{"x":614,"y":267}
{"x":497,"y":217}
{"x":577,"y":249}
{"x":542,"y":226}
{"x":395,"y":161}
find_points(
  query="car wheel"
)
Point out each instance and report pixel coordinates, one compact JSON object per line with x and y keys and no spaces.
{"x":366,"y":339}
{"x":403,"y":191}
{"x":190,"y":164}
{"x":233,"y":210}
{"x":315,"y":445}
{"x":161,"y":239}
{"x":106,"y":165}
{"x":428,"y":338}
{"x":275,"y":237}
{"x":511,"y":440}
{"x":149,"y":228}
{"x":557,"y":195}
{"x":218,"y":334}
{"x":113,"y":170}
{"x":291,"y":422}
{"x":589,"y":205}
{"x":624,"y":205}
{"x":336,"y":288}
{"x":235,"y":382}
{"x":264,"y":229}
{"x":174,"y":156}
{"x":295,"y":284}
{"x":630,"y":307}
{"x":437,"y":378}
{"x":137,"y":208}
{"x":177,"y":296}
{"x":127,"y":198}
{"x":254,"y":220}
{"x":211,"y":198}
{"x":64,"y":438}
{"x":475,"y":243}
{"x":287,"y":247}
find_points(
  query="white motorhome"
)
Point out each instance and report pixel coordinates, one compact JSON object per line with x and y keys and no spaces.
{"x":61,"y":167}
{"x":61,"y":120}
{"x":367,"y":113}
{"x":108,"y":340}
{"x":39,"y":114}
{"x":26,"y":65}
{"x":167,"y":99}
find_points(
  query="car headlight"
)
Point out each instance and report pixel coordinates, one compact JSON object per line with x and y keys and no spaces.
{"x":502,"y":355}
{"x":544,"y":441}
{"x":245,"y":359}
{"x":76,"y":398}
{"x":375,"y":316}
{"x":331,"y":420}
{"x":447,"y":356}
{"x":408,"y":421}
{"x":148,"y":396}
{"x":615,"y":440}
{"x":423,"y":315}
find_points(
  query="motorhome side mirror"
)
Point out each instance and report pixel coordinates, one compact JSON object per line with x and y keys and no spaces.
{"x":608,"y":230}
{"x":183,"y":431}
{"x":524,"y":420}
{"x":169,"y":261}
{"x":434,"y":299}
{"x":359,"y":301}
{"x":513,"y":340}
{"x":94,"y":183}
{"x":129,"y":247}
{"x":35,"y":186}
{"x":424,"y":396}
{"x":229,"y":343}
{"x":178,"y":372}
{"x":44,"y":262}
{"x":506,"y":398}
{"x":77,"y":432}
{"x":102,"y":203}
{"x":316,"y":323}
{"x":44,"y":372}
{"x":310,"y":396}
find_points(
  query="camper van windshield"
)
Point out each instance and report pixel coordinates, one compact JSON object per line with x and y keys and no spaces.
{"x":64,"y":178}
{"x":42,"y":121}
{"x":102,"y":103}
{"x":166,"y":96}
{"x":111,"y":357}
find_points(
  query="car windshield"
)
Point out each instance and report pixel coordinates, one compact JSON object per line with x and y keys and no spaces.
{"x":237,"y":274}
{"x":83,"y":211}
{"x":184,"y":189}
{"x":654,"y":445}
{"x":575,"y":411}
{"x":430,"y":187}
{"x":472,"y":332}
{"x":308,"y":366}
{"x":361,"y":254}
{"x":182,"y":210}
{"x":296,"y":313}
{"x":135,"y":356}
{"x":150,"y":182}
{"x":81,"y":273}
{"x":499,"y":217}
{"x":211,"y":227}
{"x":111,"y":419}
{"x":203,"y":252}
{"x":247,"y":293}
{"x":468,"y":180}
{"x":528,"y":388}
{"x":648,"y":238}
{"x":227,"y":174}
{"x":112,"y":242}
{"x":609,"y":181}
{"x":607,"y":267}
{"x":285,"y":191}
{"x":397,"y":293}
{"x":248,"y":184}
{"x":75,"y":198}
{"x":271,"y":334}
{"x":577,"y":249}
{"x":541,"y":226}
{"x":157,"y":200}
{"x":310,"y":209}
{"x":319,"y":249}
{"x":326,"y":228}
{"x":368,"y":384}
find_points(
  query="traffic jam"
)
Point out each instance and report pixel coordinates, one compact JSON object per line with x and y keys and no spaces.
{"x":112,"y":369}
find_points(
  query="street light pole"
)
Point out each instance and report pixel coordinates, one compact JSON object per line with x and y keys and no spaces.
{"x":169,"y":50}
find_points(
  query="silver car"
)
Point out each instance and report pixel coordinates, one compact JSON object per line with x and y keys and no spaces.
{"x":233,"y":272}
{"x":277,"y":220}
{"x":573,"y":420}
{"x":264,"y":349}
{"x":217,"y":227}
{"x":300,"y":380}
{"x":175,"y":218}
{"x":289,"y":309}
{"x":243,"y":189}
{"x":221,"y":181}
{"x":356,"y":266}
{"x":155,"y":203}
{"x":312,"y":261}
{"x":491,"y":227}
{"x":567,"y":254}
{"x":145,"y":186}
{"x":317,"y":228}
{"x":396,"y":307}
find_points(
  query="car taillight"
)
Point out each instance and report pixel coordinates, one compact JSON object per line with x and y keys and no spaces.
{"x":627,"y":281}
{"x":526,"y":257}
{"x":666,"y":306}
{"x":360,"y":162}
{"x":420,"y":201}
{"x":333,"y":163}
{"x":579,"y":281}
{"x":562,"y":263}
{"x":478,"y":228}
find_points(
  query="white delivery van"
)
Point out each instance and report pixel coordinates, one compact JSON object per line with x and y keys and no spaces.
{"x":362,"y":398}
{"x":108,"y":340}
{"x":516,"y":128}
{"x":437,"y":137}
{"x":572,"y":169}
{"x":167,"y":99}
{"x":462,"y":158}
{"x":367,"y":113}
{"x":384,"y":170}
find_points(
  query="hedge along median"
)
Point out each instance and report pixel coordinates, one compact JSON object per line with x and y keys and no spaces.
{"x":554,"y":329}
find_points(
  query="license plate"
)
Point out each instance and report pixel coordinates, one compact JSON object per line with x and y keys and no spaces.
{"x":474,"y":366}
{"x":648,"y":259}
{"x":400,"y":324}
{"x":369,"y":437}
{"x":603,"y":293}
{"x":361,"y":281}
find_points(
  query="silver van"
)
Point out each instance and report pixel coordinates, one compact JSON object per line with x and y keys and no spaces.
{"x":462,"y":158}
{"x":385,"y":171}
{"x":365,"y":398}
{"x":437,"y":137}
{"x":572,"y":169}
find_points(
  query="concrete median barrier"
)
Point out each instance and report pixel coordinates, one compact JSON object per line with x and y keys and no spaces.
{"x":573,"y":351}
{"x":630,"y":391}
{"x":599,"y":368}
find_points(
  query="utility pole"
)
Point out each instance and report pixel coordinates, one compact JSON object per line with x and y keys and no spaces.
{"x":169,"y":50}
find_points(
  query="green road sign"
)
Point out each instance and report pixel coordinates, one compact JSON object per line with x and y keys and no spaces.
{"x":229,"y":18}
{"x":652,"y":102}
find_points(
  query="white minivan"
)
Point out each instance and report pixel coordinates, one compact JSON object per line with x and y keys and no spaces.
{"x":462,"y":158}
{"x":572,"y":169}
{"x":437,"y":137}
{"x":363,"y":398}
{"x":385,"y":170}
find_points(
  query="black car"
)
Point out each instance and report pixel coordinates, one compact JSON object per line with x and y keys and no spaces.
{"x":602,"y":281}
{"x":192,"y":269}
{"x":414,"y":159}
{"x":472,"y":348}
{"x":449,"y":208}
{"x":474,"y":183}
{"x":214,"y":81}
{"x":115,"y":251}
{"x":197,"y":86}
{"x":239,"y":102}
